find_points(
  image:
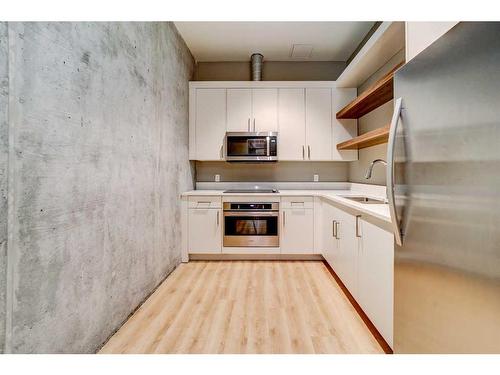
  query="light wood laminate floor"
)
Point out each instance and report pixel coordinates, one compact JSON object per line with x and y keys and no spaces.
{"x":246,"y":307}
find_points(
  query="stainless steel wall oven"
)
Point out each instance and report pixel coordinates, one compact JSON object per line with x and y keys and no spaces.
{"x":251,"y":224}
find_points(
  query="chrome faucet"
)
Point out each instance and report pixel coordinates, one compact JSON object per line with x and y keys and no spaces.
{"x":368,"y":173}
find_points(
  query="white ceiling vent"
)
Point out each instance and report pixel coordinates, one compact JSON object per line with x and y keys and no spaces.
{"x":301,"y":51}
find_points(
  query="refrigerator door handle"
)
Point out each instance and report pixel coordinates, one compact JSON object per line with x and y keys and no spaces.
{"x":390,"y":172}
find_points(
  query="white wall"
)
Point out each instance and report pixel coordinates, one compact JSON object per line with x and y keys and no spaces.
{"x":419,"y":35}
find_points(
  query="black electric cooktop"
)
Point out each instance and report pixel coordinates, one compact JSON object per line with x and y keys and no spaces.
{"x":245,"y":191}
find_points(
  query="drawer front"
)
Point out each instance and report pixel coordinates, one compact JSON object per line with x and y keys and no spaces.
{"x":297,"y":202}
{"x":205,"y":202}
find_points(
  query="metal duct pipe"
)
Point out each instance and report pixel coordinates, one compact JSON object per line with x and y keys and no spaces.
{"x":256,"y":59}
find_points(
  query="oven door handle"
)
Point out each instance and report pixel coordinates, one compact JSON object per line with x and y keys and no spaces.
{"x":250,"y":213}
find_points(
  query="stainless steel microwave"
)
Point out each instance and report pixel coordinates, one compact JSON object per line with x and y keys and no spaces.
{"x":251,"y":146}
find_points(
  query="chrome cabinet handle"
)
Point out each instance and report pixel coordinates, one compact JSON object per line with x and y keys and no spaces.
{"x":390,"y":172}
{"x":309,"y":152}
{"x":334,"y":228}
{"x":222,"y":152}
{"x":357,"y":226}
{"x":253,"y":124}
{"x":303,"y":152}
{"x":248,"y":125}
{"x":284,"y":216}
{"x":217,"y":218}
{"x":337,"y":224}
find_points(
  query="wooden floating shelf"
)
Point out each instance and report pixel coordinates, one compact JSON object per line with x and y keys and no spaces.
{"x":380,"y":93}
{"x":371,"y":138}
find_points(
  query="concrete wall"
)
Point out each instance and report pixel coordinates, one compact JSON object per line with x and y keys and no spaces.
{"x":99,"y":113}
{"x":4,"y":142}
{"x":272,"y":71}
{"x":281,"y":171}
{"x":371,"y":121}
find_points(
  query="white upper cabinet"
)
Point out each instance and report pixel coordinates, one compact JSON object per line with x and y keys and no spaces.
{"x":292,"y":124}
{"x":303,"y":113}
{"x":264,"y":110}
{"x":239,"y":110}
{"x":252,"y":110}
{"x":210,"y":124}
{"x":319,"y":124}
{"x":343,"y":130}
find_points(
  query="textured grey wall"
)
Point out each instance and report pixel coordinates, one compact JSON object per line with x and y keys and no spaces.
{"x":272,"y":71}
{"x":4,"y":142}
{"x":281,"y":171}
{"x":99,"y":113}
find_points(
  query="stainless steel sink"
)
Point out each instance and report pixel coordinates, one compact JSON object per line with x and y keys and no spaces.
{"x":365,"y":200}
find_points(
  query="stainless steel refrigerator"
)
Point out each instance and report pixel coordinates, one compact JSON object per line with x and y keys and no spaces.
{"x":444,"y":192}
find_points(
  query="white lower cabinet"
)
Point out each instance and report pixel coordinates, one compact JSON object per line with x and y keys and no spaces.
{"x":376,"y":276}
{"x":297,"y":231}
{"x":329,"y":240}
{"x":362,"y":256}
{"x":204,"y":230}
{"x":346,"y":251}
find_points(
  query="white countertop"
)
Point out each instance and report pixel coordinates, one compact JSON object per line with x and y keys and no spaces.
{"x":380,"y":211}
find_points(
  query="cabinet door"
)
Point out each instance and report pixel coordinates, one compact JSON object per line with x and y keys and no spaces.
{"x":329,"y":242}
{"x":347,"y":250}
{"x":291,"y":127}
{"x":239,"y":110}
{"x":297,"y":231}
{"x":376,"y":277}
{"x":204,"y":230}
{"x":265,"y":110}
{"x":343,"y":130}
{"x":319,"y":124}
{"x":210,"y":125}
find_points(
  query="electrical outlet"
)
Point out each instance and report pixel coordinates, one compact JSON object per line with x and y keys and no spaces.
{"x":316,"y":178}
{"x":217,"y":178}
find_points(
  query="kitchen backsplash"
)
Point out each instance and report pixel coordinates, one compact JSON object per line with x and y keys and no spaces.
{"x":280,"y":171}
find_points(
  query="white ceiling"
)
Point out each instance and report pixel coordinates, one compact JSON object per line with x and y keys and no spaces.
{"x":236,"y":41}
